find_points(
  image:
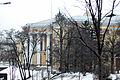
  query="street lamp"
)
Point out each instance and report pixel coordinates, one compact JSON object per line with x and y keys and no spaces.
{"x":111,"y":15}
{"x":5,"y":3}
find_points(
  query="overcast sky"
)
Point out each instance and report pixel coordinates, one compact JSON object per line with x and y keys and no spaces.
{"x":21,"y":12}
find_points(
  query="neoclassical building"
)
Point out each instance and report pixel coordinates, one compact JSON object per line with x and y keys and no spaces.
{"x":41,"y":30}
{"x":45,"y":29}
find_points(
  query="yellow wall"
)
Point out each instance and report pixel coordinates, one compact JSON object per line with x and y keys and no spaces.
{"x":34,"y":59}
{"x":43,"y":58}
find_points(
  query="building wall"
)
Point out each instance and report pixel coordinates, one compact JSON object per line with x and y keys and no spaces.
{"x":43,"y":46}
{"x":34,"y":59}
{"x":44,"y":52}
{"x":43,"y":58}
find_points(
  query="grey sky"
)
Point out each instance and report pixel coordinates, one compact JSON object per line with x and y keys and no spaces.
{"x":21,"y":12}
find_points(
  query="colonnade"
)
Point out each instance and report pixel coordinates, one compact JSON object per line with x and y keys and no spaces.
{"x":43,"y":50}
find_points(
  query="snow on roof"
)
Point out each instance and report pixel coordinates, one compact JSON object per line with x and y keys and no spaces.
{"x":41,"y":24}
{"x":46,"y":23}
{"x":114,"y":20}
{"x":79,"y":19}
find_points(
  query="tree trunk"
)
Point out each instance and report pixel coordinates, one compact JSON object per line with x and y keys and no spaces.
{"x":61,"y":50}
{"x":100,"y":69}
{"x":29,"y":75}
{"x":112,"y":62}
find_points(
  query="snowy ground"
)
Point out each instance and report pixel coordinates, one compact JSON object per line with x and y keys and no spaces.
{"x":73,"y":76}
{"x":39,"y":75}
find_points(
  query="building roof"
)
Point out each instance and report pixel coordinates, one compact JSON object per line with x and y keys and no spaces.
{"x":46,"y":23}
{"x":114,"y":20}
{"x":41,"y":24}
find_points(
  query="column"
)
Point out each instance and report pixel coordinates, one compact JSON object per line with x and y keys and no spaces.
{"x":48,"y":49}
{"x":38,"y":51}
{"x":43,"y":54}
{"x":30,"y":48}
{"x":43,"y":43}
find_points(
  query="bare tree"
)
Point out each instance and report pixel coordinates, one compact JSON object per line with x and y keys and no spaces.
{"x":113,"y":44}
{"x":7,"y":53}
{"x":60,"y":43}
{"x":66,"y":37}
{"x":95,"y":7}
{"x":23,"y":44}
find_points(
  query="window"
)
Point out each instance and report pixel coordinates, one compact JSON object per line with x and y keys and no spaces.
{"x":118,"y":32}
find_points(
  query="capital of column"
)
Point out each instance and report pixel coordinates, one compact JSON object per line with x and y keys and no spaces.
{"x":48,"y":33}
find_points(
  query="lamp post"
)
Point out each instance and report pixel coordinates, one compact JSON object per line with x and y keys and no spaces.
{"x":5,"y":3}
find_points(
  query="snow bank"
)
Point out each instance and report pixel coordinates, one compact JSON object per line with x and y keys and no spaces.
{"x":13,"y":73}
